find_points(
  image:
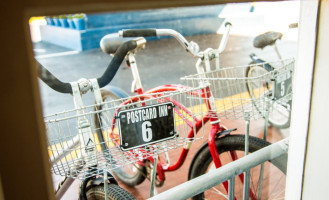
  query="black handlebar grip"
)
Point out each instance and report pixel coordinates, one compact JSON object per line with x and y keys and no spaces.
{"x":105,"y":79}
{"x":48,"y":78}
{"x":113,"y":67}
{"x":111,"y":42}
{"x":139,"y":33}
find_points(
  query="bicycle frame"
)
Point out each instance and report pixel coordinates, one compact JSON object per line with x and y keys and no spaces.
{"x":210,"y":116}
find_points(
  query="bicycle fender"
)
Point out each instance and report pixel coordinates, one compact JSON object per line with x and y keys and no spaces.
{"x":267,"y":66}
{"x":100,"y":180}
{"x":116,"y":91}
{"x":225,"y":132}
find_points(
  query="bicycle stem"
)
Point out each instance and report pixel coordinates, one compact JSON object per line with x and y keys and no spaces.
{"x":136,"y":83}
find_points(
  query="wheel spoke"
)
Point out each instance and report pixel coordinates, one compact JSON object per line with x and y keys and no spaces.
{"x":273,"y":179}
{"x":216,"y":191}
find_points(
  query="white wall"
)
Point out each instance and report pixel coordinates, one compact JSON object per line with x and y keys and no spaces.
{"x":309,"y":148}
{"x":303,"y":78}
{"x":317,"y":152}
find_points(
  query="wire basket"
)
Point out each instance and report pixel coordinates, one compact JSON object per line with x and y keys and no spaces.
{"x":253,"y":88}
{"x":70,"y":157}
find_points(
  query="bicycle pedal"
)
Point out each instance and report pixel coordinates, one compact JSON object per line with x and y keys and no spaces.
{"x":226,"y":132}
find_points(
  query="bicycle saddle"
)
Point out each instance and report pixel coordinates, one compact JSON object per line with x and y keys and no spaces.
{"x":111,"y":42}
{"x":265,"y":39}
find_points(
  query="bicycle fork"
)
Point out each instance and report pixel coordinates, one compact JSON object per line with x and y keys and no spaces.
{"x":88,"y":148}
{"x":85,"y":136}
{"x":244,"y":177}
{"x":88,"y":145}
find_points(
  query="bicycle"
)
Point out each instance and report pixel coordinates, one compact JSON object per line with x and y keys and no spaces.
{"x":280,"y":116}
{"x":194,"y":106}
{"x":72,"y":148}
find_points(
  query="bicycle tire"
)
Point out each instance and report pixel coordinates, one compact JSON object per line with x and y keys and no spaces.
{"x":131,"y":174}
{"x":278,"y":121}
{"x":115,"y":192}
{"x":202,"y":162}
{"x":136,"y":177}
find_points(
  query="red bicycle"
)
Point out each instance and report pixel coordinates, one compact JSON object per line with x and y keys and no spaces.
{"x":137,"y":132}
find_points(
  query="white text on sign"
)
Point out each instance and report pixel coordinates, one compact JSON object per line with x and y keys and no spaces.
{"x":147,"y":114}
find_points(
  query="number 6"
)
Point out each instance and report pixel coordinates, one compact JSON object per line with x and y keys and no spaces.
{"x":147,"y":131}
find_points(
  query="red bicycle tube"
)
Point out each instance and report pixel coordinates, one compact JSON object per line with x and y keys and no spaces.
{"x":185,"y":150}
{"x":212,"y":147}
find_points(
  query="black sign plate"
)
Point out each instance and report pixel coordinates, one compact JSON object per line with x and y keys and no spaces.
{"x":146,"y":125}
{"x":282,"y":84}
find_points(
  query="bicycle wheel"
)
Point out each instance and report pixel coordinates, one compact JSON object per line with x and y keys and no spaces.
{"x":130,"y":174}
{"x":273,"y":177}
{"x":280,"y":115}
{"x":114,"y":193}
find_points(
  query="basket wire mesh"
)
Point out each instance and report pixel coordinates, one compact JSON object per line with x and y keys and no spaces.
{"x":66,"y":153}
{"x":249,"y":88}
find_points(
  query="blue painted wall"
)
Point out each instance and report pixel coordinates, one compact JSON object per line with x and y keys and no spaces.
{"x":188,"y":21}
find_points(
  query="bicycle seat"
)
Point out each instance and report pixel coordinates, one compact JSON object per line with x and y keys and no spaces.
{"x":111,"y":42}
{"x":265,"y":39}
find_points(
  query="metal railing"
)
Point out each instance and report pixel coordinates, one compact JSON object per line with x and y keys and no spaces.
{"x":226,"y":172}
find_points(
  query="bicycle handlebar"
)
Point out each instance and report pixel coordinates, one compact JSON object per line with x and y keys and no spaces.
{"x":154,"y":32}
{"x":113,"y":67}
{"x":191,"y":47}
{"x":138,"y":33}
{"x":48,"y":78}
{"x":109,"y":44}
{"x":105,"y":79}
